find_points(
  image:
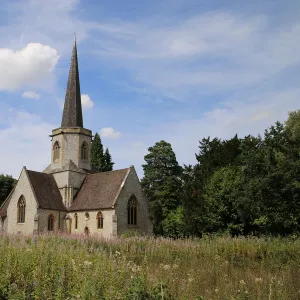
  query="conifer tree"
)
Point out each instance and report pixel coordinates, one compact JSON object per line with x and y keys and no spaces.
{"x":161,"y":185}
{"x":97,"y":155}
{"x":108,"y":164}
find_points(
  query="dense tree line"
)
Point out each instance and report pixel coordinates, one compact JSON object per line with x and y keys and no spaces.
{"x":7,"y":183}
{"x":239,"y":186}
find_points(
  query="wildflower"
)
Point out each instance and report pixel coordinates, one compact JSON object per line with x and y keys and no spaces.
{"x":216,"y":290}
{"x":191,"y":280}
{"x":175,"y":266}
{"x":242,"y":282}
{"x":87,"y":263}
{"x":258,"y":280}
{"x":74,"y":265}
{"x":166,"y":267}
{"x":273,"y":280}
{"x":135,"y":269}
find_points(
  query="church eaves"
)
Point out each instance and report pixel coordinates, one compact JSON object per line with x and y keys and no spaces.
{"x":72,"y":115}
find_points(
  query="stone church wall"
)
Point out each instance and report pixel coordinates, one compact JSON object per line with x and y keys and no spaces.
{"x":3,"y":224}
{"x":23,"y":188}
{"x":70,"y":146}
{"x":43,"y":215}
{"x":91,"y":223}
{"x":132,"y":186}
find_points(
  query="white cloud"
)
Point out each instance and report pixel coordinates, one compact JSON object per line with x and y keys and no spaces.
{"x":31,"y":95}
{"x":29,"y":66}
{"x":86,"y":101}
{"x":205,"y":53}
{"x":27,"y":143}
{"x":109,"y":133}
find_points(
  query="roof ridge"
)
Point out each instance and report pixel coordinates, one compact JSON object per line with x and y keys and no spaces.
{"x":109,"y":171}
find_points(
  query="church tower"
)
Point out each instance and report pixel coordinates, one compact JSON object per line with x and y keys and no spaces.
{"x":71,"y":143}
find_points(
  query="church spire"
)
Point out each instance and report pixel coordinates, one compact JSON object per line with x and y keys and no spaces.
{"x":72,"y":115}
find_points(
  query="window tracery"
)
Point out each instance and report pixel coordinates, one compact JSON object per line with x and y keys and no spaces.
{"x":132,"y":211}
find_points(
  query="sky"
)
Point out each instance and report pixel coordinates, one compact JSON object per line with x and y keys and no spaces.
{"x":173,"y":70}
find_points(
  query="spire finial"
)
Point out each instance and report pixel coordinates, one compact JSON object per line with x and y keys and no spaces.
{"x":74,"y":37}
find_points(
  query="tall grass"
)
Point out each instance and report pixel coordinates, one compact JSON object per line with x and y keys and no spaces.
{"x":68,"y":267}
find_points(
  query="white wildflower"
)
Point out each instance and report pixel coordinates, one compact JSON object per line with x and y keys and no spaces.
{"x":87,"y":263}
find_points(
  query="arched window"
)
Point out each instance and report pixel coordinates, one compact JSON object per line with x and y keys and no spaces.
{"x":51,"y":222}
{"x":21,"y":209}
{"x":56,"y":148}
{"x":84,"y":151}
{"x":76,"y":221}
{"x":132,"y":210}
{"x":99,"y":220}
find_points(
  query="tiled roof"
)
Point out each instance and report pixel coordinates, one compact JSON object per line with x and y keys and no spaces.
{"x":46,"y":190}
{"x":99,"y":190}
{"x":72,"y":115}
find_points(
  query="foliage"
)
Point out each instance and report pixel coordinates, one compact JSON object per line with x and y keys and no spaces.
{"x":161,"y":183}
{"x":100,"y":161}
{"x":242,"y":186}
{"x":7,"y":183}
{"x":76,"y":267}
{"x":108,"y":164}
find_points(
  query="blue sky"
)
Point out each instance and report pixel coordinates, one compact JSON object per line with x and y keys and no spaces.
{"x":176,"y":70}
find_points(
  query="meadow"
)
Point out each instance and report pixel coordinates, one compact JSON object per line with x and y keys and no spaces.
{"x":69,"y":267}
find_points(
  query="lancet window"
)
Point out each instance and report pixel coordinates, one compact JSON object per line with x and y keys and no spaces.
{"x":132,"y":211}
{"x":21,"y":209}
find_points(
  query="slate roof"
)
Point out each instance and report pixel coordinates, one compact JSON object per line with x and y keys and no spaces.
{"x":72,"y":115}
{"x":99,"y":190}
{"x":46,"y":190}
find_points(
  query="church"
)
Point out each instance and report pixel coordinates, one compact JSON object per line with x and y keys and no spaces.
{"x":68,"y":196}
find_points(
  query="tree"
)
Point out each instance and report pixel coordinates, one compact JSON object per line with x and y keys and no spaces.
{"x":97,"y":156}
{"x":108,"y":164}
{"x":293,"y":124}
{"x":161,"y":183}
{"x":7,"y":183}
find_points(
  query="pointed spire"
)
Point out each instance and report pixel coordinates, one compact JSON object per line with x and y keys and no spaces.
{"x":72,"y":115}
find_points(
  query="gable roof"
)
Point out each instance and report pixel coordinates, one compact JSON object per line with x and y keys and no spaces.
{"x":46,"y":190}
{"x":99,"y":190}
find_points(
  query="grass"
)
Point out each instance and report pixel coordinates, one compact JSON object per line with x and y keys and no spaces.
{"x":68,"y":267}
